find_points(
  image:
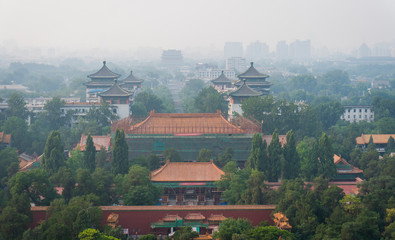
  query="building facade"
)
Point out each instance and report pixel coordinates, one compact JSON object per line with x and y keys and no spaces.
{"x":354,"y":113}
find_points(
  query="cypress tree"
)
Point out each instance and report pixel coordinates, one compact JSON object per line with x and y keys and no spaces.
{"x":89,"y":154}
{"x":256,"y":152}
{"x":371,"y":145}
{"x":326,"y":165}
{"x":53,"y":157}
{"x":120,"y":159}
{"x":273,"y":167}
{"x":390,"y":145}
{"x":291,"y":166}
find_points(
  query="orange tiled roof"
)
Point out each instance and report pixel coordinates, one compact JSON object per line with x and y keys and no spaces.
{"x":98,"y":141}
{"x":377,"y":138}
{"x":184,"y":124}
{"x":216,"y":217}
{"x":338,"y":159}
{"x":194,"y":216}
{"x":171,"y":218}
{"x":187,"y":172}
{"x":5,"y":138}
{"x":281,"y":138}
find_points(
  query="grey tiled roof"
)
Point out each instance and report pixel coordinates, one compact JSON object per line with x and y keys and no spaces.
{"x":245,"y":91}
{"x":221,"y":79}
{"x":104,"y":72}
{"x":252,"y":73}
{"x":115,"y":91}
{"x":131,"y":79}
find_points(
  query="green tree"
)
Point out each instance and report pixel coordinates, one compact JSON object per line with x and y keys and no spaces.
{"x":101,"y":115}
{"x":291,"y":166}
{"x":329,"y":113}
{"x":17,"y":106}
{"x":185,"y":233}
{"x":257,"y":151}
{"x":210,"y":100}
{"x":18,"y":129}
{"x":148,"y":237}
{"x":269,"y":233}
{"x":204,"y":155}
{"x":138,"y":188}
{"x":150,"y":101}
{"x":225,"y":157}
{"x":53,"y":157}
{"x":76,"y":160}
{"x":94,"y":234}
{"x":231,"y":226}
{"x":9,"y":162}
{"x":390,"y":145}
{"x":255,"y":185}
{"x":172,"y":155}
{"x":53,"y":116}
{"x":273,"y":168}
{"x":101,"y":158}
{"x":153,"y":162}
{"x":326,"y":165}
{"x":89,"y":154}
{"x":120,"y":158}
{"x":308,"y":150}
{"x":64,"y":178}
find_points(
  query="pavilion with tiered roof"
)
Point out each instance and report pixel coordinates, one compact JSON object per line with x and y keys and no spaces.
{"x":244,"y":91}
{"x":254,"y":80}
{"x":130,"y":83}
{"x":222,"y":83}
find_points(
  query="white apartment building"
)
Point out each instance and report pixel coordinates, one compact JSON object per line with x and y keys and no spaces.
{"x":210,"y":74}
{"x":357,"y":114}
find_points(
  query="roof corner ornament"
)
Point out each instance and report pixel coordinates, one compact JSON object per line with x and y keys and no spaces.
{"x":252,"y":64}
{"x":104,"y":62}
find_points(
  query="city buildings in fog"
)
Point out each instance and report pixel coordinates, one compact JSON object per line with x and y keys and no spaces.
{"x":233,"y":49}
{"x":237,"y":64}
{"x":300,"y":50}
{"x":282,"y":50}
{"x":364,"y":51}
{"x":172,"y":58}
{"x":256,"y":51}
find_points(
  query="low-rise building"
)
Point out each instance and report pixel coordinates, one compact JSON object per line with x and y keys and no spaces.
{"x":355,"y":113}
{"x":380,"y":140}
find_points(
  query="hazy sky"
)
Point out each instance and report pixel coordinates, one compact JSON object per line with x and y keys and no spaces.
{"x":129,"y":24}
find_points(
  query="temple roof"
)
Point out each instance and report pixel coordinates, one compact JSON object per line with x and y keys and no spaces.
{"x":252,"y":73}
{"x":377,"y":138}
{"x":115,"y":91}
{"x":5,"y":138}
{"x":98,"y":142}
{"x":104,"y":72}
{"x":194,"y":217}
{"x":245,"y":91}
{"x":221,"y":79}
{"x":131,"y":79}
{"x":187,"y":172}
{"x":216,"y":217}
{"x":184,"y":124}
{"x":343,"y":167}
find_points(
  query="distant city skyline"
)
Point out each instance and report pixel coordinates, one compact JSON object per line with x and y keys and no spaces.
{"x":176,"y":24}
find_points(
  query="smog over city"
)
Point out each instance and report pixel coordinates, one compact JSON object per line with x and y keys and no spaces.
{"x":217,"y":119}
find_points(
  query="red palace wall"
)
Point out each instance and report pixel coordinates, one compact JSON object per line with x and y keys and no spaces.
{"x":139,"y":218}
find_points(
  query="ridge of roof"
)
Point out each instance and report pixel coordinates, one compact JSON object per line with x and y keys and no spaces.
{"x":244,"y":91}
{"x":377,"y":138}
{"x":104,"y":72}
{"x":221,"y":79}
{"x":115,"y":90}
{"x":252,"y":73}
{"x":131,"y":78}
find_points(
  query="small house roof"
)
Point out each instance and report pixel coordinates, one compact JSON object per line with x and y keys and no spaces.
{"x":171,"y":218}
{"x":216,"y":217}
{"x":5,"y":138}
{"x":104,"y":72}
{"x":221,"y":79}
{"x":187,"y":172}
{"x":377,"y":138}
{"x":98,"y":142}
{"x":346,"y":167}
{"x":252,"y":73}
{"x":245,"y":91}
{"x":115,"y":91}
{"x":131,"y":79}
{"x":194,"y":217}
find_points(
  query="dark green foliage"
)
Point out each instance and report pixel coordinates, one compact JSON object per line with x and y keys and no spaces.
{"x":233,"y":184}
{"x":101,"y":116}
{"x":273,"y":169}
{"x":255,"y":186}
{"x":120,"y":158}
{"x":8,"y":159}
{"x":269,"y":233}
{"x":225,"y":157}
{"x":291,"y":164}
{"x":94,"y":234}
{"x":329,"y":113}
{"x":256,"y":160}
{"x":231,"y":226}
{"x":17,"y":106}
{"x":210,"y":100}
{"x":89,"y":154}
{"x":185,"y":233}
{"x":364,"y":227}
{"x":153,"y":162}
{"x":150,"y":101}
{"x":66,"y":221}
{"x":66,"y":179}
{"x":326,"y":166}
{"x":172,"y":155}
{"x":101,"y":158}
{"x":53,"y":117}
{"x":204,"y":155}
{"x":18,"y":129}
{"x":390,"y":145}
{"x":53,"y":157}
{"x":148,"y":237}
{"x":137,"y":188}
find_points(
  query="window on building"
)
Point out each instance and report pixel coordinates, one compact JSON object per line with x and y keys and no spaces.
{"x":360,"y":110}
{"x":366,"y":110}
{"x":355,"y":110}
{"x":360,"y":116}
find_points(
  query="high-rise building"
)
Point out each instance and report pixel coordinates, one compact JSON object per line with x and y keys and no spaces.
{"x":257,"y":51}
{"x":300,"y":50}
{"x":233,"y":49}
{"x":282,"y":50}
{"x":364,"y":51}
{"x":172,"y":57}
{"x":236,"y":64}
